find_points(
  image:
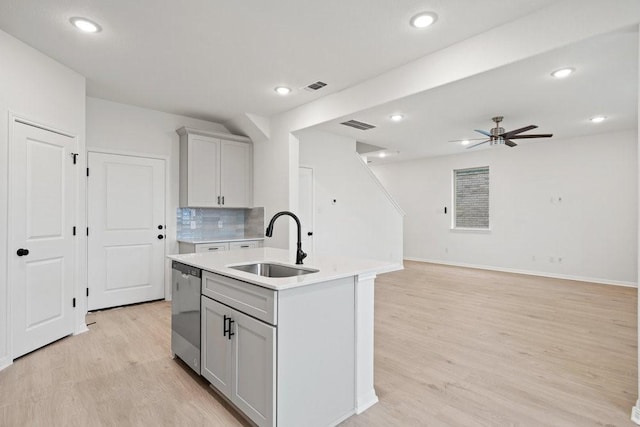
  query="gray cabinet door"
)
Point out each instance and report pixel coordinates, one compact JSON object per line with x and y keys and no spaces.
{"x":216,"y":360}
{"x":254,"y":354}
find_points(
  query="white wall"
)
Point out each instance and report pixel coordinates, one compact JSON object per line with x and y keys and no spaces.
{"x":121,"y":128}
{"x":592,"y":229}
{"x":364,"y":222}
{"x":276,"y":178}
{"x":35,"y":87}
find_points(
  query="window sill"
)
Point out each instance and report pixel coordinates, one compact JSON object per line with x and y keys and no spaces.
{"x":470,"y":230}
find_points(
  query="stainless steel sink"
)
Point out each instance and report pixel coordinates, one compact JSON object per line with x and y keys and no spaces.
{"x":267,"y":269}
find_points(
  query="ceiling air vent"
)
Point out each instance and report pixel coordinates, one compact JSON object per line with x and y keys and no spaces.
{"x":315,"y":86}
{"x":358,"y":125}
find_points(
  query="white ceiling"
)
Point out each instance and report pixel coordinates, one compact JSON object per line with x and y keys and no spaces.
{"x":605,"y":83}
{"x":216,"y":59}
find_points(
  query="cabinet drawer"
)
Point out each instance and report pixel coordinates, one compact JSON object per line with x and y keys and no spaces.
{"x":250,"y":299}
{"x":244,"y":245}
{"x":212,"y":247}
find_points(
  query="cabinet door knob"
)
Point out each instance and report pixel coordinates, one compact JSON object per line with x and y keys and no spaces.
{"x":160,"y":236}
{"x":310,"y":233}
{"x":22,"y":252}
{"x":160,"y":227}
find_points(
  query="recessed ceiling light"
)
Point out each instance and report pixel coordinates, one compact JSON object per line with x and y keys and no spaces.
{"x":396,"y":117}
{"x":598,"y":119}
{"x":282,"y":90}
{"x":86,"y":25}
{"x":562,"y":73}
{"x":465,"y":142}
{"x":423,"y":19}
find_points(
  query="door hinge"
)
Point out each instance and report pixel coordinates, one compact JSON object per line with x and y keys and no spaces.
{"x":87,"y":291}
{"x":74,"y":230}
{"x":87,"y":171}
{"x":75,"y":156}
{"x":74,"y":302}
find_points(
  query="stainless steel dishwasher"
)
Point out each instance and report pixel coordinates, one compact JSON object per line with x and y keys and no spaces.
{"x":185,"y":314}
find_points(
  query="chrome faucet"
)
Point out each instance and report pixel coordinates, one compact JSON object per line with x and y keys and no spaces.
{"x":300,"y":255}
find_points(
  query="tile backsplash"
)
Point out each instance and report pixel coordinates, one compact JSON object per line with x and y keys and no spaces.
{"x":214,"y":224}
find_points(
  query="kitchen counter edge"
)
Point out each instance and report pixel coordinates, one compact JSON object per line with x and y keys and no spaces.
{"x":330,"y":268}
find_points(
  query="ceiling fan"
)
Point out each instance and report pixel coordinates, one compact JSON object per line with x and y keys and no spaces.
{"x":497,"y":135}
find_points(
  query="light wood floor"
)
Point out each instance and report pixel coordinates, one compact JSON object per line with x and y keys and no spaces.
{"x":454,"y":347}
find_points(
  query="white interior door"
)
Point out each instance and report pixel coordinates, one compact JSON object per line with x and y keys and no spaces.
{"x":126,"y":202}
{"x":305,"y":200}
{"x":41,"y":255}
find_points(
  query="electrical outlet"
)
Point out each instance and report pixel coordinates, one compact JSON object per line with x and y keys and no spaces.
{"x":192,"y":225}
{"x":220,"y":224}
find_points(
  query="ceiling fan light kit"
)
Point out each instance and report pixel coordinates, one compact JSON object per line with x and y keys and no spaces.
{"x":498,"y":136}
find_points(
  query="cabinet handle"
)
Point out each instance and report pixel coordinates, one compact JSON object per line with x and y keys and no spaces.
{"x":218,"y":199}
{"x":244,"y":246}
{"x":231,"y":322}
{"x":223,"y":200}
{"x":226,"y":327}
{"x":213,"y":249}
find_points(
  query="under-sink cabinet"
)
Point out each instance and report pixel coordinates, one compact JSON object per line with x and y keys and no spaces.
{"x":283,"y":358}
{"x":215,"y":169}
{"x":238,"y":359}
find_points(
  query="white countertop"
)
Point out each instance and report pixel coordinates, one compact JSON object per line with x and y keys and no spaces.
{"x":330,"y":268}
{"x":197,"y":242}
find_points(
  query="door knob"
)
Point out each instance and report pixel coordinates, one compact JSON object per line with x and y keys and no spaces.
{"x":160,"y":236}
{"x":22,"y":252}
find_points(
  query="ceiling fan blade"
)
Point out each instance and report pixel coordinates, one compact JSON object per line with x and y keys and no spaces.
{"x":509,"y":143}
{"x":484,"y":132}
{"x":479,"y":143}
{"x":466,"y":139}
{"x":540,"y":135}
{"x":516,"y":131}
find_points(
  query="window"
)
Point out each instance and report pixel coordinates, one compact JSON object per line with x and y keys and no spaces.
{"x":471,"y":198}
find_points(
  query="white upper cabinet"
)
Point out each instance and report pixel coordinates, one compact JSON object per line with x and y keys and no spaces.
{"x":215,"y":169}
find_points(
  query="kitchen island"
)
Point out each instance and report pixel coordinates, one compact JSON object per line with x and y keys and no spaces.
{"x":288,"y":351}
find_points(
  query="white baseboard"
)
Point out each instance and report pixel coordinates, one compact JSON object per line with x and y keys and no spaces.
{"x":635,"y":413}
{"x":5,"y":362}
{"x":81,"y":329}
{"x":367,"y":401}
{"x":390,"y":268}
{"x":530,"y":273}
